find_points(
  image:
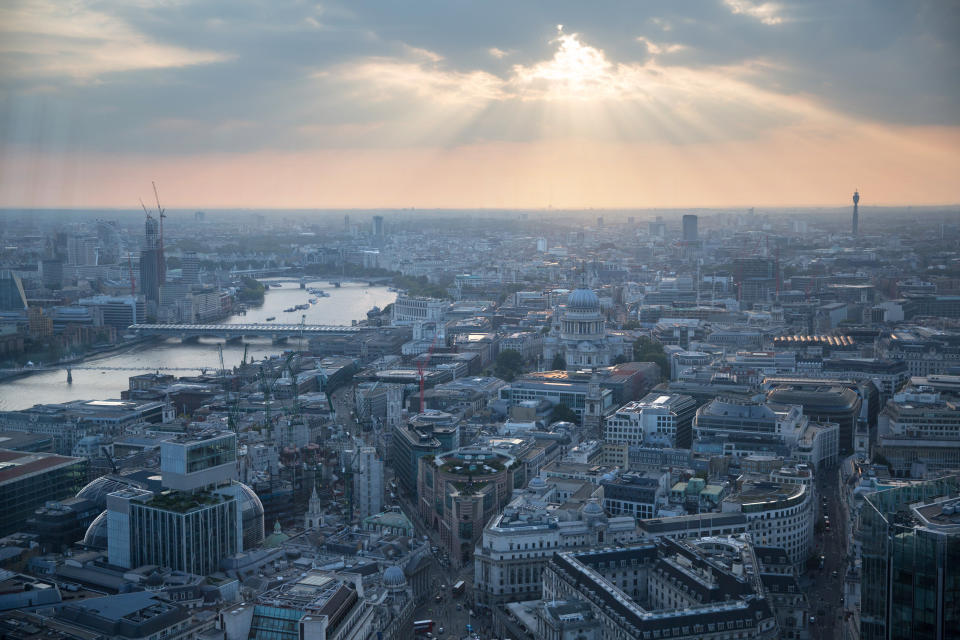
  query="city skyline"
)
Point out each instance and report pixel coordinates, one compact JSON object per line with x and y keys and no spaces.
{"x":712,"y":104}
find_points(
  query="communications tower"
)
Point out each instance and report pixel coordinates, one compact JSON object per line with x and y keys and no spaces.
{"x":856,"y":214}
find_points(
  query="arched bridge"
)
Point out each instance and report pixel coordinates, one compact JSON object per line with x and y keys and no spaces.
{"x":277,"y":332}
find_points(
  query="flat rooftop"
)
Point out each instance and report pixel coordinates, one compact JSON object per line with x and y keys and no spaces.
{"x":18,"y":465}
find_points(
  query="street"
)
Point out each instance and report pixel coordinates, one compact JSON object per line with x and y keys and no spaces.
{"x":826,"y":592}
{"x":445,"y":613}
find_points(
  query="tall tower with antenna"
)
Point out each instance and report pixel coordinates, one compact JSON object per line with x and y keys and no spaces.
{"x":856,"y":214}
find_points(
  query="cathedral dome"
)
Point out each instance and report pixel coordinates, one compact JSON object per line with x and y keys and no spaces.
{"x":583,"y":300}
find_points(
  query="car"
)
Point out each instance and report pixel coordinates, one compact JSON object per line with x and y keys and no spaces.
{"x":459,"y":607}
{"x":439,"y":631}
{"x":812,"y":619}
{"x":834,"y":573}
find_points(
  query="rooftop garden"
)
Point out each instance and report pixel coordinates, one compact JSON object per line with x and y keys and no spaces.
{"x":181,"y":502}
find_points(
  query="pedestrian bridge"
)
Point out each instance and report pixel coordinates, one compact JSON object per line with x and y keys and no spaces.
{"x":230,"y":332}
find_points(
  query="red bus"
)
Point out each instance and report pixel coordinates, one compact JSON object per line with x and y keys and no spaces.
{"x":422,"y":626}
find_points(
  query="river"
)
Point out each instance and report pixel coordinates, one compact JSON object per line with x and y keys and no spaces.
{"x":345,"y":304}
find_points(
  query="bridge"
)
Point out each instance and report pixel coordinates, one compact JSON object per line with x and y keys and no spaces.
{"x":232,"y":332}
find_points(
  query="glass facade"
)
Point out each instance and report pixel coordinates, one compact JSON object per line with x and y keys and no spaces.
{"x":211,"y":454}
{"x":911,"y":581}
{"x":21,"y":495}
{"x":194,"y":540}
{"x":275,"y":623}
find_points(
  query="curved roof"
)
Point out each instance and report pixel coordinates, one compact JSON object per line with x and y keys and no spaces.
{"x":583,"y":300}
{"x":393,"y":577}
{"x":96,"y":535}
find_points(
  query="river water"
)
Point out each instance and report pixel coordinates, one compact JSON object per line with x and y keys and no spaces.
{"x":349,"y":302}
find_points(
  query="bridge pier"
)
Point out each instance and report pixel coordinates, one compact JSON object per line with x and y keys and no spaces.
{"x":69,"y":375}
{"x":280,"y":339}
{"x":234,"y":339}
{"x":189,"y":339}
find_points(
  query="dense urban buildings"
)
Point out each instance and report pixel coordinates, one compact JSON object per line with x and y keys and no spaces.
{"x":729,"y":412}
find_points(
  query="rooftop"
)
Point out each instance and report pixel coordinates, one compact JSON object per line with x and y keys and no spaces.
{"x":19,"y":465}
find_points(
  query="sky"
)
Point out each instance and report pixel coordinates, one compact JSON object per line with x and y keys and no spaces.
{"x":449,"y":104}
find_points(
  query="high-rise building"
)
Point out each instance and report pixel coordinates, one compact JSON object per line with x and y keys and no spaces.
{"x":378,"y":226}
{"x":108,"y":242}
{"x":856,"y":214}
{"x":756,"y":279}
{"x":201,"y":516}
{"x":12,"y":296}
{"x":910,"y":585}
{"x":367,"y":483}
{"x":690,"y":229}
{"x":150,"y":257}
{"x":51,"y":273}
{"x":190,"y":268}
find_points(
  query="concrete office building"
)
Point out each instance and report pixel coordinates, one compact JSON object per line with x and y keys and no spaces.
{"x":427,"y":433}
{"x":542,"y":519}
{"x":779,"y":514}
{"x":190,"y":268}
{"x":657,"y":420}
{"x":459,"y":491}
{"x":918,"y":432}
{"x":827,"y":401}
{"x":690,"y":234}
{"x":669,"y":589}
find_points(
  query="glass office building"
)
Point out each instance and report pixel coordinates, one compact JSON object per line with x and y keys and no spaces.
{"x":911,"y":562}
{"x":186,"y":532}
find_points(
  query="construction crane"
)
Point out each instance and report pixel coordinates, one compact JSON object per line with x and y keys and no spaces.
{"x":161,"y":260}
{"x":267,"y":387}
{"x":422,"y":367}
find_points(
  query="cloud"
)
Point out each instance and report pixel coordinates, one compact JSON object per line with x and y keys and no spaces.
{"x":656,"y":49}
{"x":577,"y":91}
{"x":766,"y":12}
{"x":497,"y":53}
{"x":45,"y":38}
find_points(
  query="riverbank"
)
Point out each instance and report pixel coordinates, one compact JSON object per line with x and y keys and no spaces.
{"x":347,"y":303}
{"x":94,"y":354}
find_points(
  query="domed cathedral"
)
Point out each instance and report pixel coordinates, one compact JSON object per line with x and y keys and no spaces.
{"x":583,"y":342}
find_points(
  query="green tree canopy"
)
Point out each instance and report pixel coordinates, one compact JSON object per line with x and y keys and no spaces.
{"x":559,"y":363}
{"x":508,"y":364}
{"x":563,"y":413}
{"x":648,"y":350}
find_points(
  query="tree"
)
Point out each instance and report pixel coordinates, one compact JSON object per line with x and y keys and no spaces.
{"x":559,"y":363}
{"x":648,"y":350}
{"x":563,"y":413}
{"x":620,"y":359}
{"x":508,"y":364}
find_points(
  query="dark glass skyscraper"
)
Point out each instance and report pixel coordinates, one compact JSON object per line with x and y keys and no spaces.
{"x":911,"y":562}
